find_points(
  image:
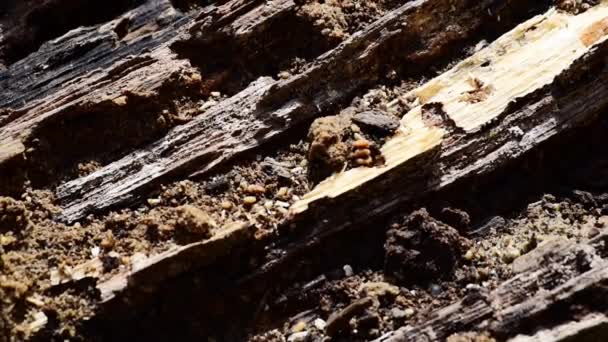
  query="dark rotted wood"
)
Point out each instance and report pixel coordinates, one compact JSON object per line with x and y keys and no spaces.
{"x":86,"y":68}
{"x":42,"y":77}
{"x":576,"y":98}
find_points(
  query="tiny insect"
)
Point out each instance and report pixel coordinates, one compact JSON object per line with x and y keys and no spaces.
{"x":362,"y":155}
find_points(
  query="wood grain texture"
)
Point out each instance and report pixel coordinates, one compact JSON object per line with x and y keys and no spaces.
{"x":86,"y":68}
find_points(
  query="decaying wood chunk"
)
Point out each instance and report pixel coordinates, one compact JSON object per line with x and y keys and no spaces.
{"x":521,"y":66}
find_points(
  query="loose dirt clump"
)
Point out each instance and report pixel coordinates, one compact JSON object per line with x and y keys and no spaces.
{"x":194,"y":222}
{"x":471,"y":337}
{"x":13,"y":215}
{"x":329,"y":146}
{"x":348,"y":140}
{"x":423,"y":249}
{"x":338,"y":19}
{"x":88,"y":167}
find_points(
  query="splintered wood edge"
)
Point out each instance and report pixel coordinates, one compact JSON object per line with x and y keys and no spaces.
{"x":480,"y":88}
{"x":169,"y":263}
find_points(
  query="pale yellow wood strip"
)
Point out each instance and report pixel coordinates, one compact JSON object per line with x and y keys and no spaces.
{"x":518,"y":63}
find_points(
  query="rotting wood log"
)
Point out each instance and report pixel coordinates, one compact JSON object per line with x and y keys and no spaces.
{"x":268,"y":108}
{"x":437,"y":149}
{"x":471,"y":120}
{"x":535,"y":59}
{"x":557,"y":286}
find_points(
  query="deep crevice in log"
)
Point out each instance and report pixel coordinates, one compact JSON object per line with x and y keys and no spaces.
{"x":96,"y":133}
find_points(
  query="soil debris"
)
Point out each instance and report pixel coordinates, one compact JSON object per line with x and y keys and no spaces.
{"x":471,"y":337}
{"x":338,"y":19}
{"x":379,"y":289}
{"x":338,"y":143}
{"x":192,"y":220}
{"x":13,"y":215}
{"x":329,"y":149}
{"x":456,"y":218}
{"x":422,"y":249}
{"x":479,"y":92}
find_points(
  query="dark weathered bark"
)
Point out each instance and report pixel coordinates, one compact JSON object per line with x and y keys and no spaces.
{"x":95,"y":75}
{"x":113,"y":87}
